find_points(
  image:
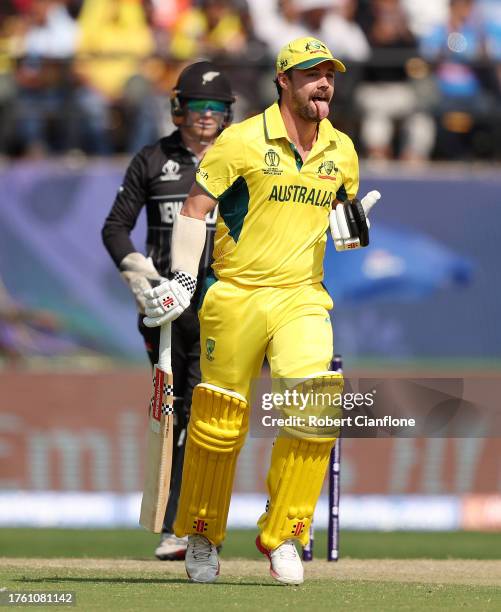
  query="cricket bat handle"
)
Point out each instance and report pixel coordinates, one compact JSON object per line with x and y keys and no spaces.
{"x":164,"y":350}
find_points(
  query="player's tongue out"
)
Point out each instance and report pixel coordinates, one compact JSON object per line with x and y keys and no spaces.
{"x":322,"y":106}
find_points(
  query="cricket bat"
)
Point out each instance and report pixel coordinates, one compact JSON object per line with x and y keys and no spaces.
{"x":158,"y":462}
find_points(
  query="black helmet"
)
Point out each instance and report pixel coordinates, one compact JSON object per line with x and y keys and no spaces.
{"x":203,"y":81}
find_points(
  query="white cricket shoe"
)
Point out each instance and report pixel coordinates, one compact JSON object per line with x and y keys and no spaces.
{"x":171,"y":548}
{"x":202,"y":563}
{"x":285,"y":563}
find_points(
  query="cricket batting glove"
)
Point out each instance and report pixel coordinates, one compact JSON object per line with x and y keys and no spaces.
{"x":169,"y":300}
{"x":140,"y":274}
{"x":349,"y":222}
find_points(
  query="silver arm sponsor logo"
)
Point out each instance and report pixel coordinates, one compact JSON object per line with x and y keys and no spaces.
{"x":202,"y":174}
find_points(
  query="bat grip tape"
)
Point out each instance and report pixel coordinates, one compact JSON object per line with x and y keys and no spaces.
{"x":164,"y":351}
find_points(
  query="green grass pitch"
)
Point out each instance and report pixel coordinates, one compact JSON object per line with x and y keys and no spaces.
{"x":115,"y":570}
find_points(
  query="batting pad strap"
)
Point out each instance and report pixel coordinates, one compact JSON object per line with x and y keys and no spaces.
{"x":224,"y":391}
{"x":321,"y":374}
{"x":216,"y":432}
{"x":188,"y":241}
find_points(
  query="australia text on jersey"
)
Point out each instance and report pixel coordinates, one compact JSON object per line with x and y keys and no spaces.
{"x":301,"y":195}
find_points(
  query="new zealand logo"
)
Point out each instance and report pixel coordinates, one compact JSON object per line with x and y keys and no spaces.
{"x":210,"y":345}
{"x":272,"y":158}
{"x":207,"y":77}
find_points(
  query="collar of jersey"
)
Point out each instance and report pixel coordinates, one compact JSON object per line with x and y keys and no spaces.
{"x":274,"y":127}
{"x":173,"y":146}
{"x":174,"y":143}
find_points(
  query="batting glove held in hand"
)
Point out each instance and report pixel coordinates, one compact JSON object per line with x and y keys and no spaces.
{"x":169,"y":300}
{"x":349,"y":222}
{"x":140,"y":274}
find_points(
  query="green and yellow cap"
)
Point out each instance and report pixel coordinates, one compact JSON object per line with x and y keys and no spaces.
{"x":303,"y":53}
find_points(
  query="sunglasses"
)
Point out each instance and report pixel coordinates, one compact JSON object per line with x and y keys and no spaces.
{"x":202,"y":106}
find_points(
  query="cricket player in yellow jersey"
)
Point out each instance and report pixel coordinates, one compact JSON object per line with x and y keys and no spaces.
{"x":281,"y":179}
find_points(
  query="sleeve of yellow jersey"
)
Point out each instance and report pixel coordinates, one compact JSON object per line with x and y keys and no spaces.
{"x":349,"y":188}
{"x":222,"y":165}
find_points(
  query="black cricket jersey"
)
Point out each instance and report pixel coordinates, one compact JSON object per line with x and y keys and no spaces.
{"x":159,"y":177}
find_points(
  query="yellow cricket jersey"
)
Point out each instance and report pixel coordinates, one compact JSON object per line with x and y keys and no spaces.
{"x":273,"y":209}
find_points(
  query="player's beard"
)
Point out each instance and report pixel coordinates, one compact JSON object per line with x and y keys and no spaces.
{"x":309,"y":110}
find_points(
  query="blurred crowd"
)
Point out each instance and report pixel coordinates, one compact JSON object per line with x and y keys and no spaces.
{"x":26,"y":331}
{"x":93,"y":76}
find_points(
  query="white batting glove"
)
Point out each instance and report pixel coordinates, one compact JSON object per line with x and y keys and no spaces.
{"x":139,"y":273}
{"x":169,"y":300}
{"x":349,"y":223}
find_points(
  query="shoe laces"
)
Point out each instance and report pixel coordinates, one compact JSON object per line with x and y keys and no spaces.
{"x":201,"y":548}
{"x":287,"y":551}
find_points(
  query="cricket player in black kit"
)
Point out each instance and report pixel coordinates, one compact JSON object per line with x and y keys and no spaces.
{"x":159,"y":177}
